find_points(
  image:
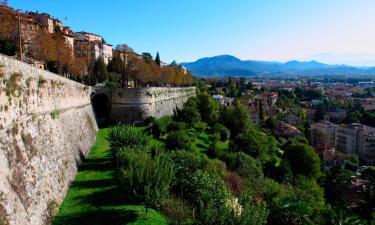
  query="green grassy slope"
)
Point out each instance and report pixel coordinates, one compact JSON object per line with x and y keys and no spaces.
{"x":94,"y":197}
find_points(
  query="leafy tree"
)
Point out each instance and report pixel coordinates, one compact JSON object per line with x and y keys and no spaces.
{"x":256,"y":144}
{"x":337,"y":183}
{"x":209,"y":108}
{"x":100,"y":71}
{"x":147,"y":57}
{"x":157,"y":59}
{"x":159,"y":126}
{"x":300,"y":204}
{"x":177,"y":140}
{"x":303,"y":160}
{"x":146,"y":180}
{"x":369,"y":174}
{"x":190,"y":113}
{"x":223,"y":132}
{"x":236,"y":118}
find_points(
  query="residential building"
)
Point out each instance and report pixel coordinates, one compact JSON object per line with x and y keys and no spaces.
{"x":336,"y":114}
{"x":92,"y":47}
{"x":292,"y":120}
{"x":223,"y":100}
{"x":355,"y":138}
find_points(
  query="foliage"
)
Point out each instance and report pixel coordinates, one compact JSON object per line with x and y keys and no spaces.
{"x":176,"y":126}
{"x":299,"y":204}
{"x":234,"y":183}
{"x":159,"y":126}
{"x":223,"y":132}
{"x":179,"y":140}
{"x":190,"y":113}
{"x":209,"y":109}
{"x":100,"y":71}
{"x":178,"y":211}
{"x":205,"y":188}
{"x":256,"y":144}
{"x":121,"y":136}
{"x":236,"y":118}
{"x":200,"y":126}
{"x":146,"y":180}
{"x":303,"y":160}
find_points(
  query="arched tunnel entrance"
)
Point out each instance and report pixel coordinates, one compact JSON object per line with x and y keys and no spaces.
{"x":101,"y":106}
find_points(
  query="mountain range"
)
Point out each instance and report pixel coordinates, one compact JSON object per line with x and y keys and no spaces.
{"x":227,"y":65}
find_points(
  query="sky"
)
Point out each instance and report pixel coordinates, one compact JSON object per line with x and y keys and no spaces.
{"x":329,"y":31}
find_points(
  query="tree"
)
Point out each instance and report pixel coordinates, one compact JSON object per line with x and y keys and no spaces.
{"x":100,"y":71}
{"x":147,"y":57}
{"x":236,"y":118}
{"x":157,"y":59}
{"x":303,"y":160}
{"x":369,"y":174}
{"x":208,"y":108}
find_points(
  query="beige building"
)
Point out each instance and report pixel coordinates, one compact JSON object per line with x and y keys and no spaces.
{"x":92,"y":47}
{"x":356,"y":139}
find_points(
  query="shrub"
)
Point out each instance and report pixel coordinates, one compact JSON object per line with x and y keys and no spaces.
{"x":245,"y":165}
{"x":215,"y":167}
{"x":145,"y":179}
{"x":179,"y":140}
{"x":204,"y":189}
{"x":159,"y":127}
{"x":234,"y":183}
{"x":222,"y":131}
{"x":178,"y":211}
{"x":176,"y":126}
{"x":186,"y":163}
{"x":121,"y":136}
{"x":200,"y":126}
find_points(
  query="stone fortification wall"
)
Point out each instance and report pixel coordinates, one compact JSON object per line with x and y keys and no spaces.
{"x":135,"y":104}
{"x":47,"y":126}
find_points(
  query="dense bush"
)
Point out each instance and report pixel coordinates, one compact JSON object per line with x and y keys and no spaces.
{"x":234,"y":183}
{"x":176,"y":126}
{"x":303,"y":160}
{"x":159,"y":127}
{"x":244,"y":164}
{"x":190,"y":113}
{"x":223,"y":132}
{"x":121,"y":136}
{"x":205,"y":188}
{"x":146,"y":180}
{"x":200,"y":126}
{"x":256,"y":144}
{"x":179,"y":140}
{"x":215,"y":167}
{"x":178,"y":211}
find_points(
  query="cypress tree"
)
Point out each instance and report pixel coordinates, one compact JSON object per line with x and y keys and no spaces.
{"x":157,"y":59}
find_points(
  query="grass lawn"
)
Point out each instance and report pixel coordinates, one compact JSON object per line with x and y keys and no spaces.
{"x":94,"y":197}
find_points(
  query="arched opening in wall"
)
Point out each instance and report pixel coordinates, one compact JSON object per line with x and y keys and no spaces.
{"x":101,"y":106}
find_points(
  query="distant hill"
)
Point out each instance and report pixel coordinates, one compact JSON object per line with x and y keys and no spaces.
{"x":227,"y":65}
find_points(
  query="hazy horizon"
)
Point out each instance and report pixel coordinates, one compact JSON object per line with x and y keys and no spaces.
{"x":332,"y":32}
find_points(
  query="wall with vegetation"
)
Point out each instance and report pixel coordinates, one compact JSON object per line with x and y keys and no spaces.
{"x":129,"y":105}
{"x":46,"y":127}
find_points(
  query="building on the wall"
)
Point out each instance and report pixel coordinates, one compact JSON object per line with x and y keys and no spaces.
{"x":52,"y":24}
{"x":91,"y":47}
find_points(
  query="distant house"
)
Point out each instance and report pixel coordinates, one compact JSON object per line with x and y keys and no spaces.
{"x":223,"y":100}
{"x":336,"y":114}
{"x":310,"y":113}
{"x":292,"y":120}
{"x":286,"y":130}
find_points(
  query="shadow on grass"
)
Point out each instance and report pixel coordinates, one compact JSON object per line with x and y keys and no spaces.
{"x":109,"y":197}
{"x":101,"y":217}
{"x":99,"y":164}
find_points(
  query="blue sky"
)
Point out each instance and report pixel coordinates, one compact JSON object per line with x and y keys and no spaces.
{"x":331,"y":31}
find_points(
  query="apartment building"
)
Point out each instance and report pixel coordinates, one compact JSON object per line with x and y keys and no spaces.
{"x":355,"y":138}
{"x":91,"y":47}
